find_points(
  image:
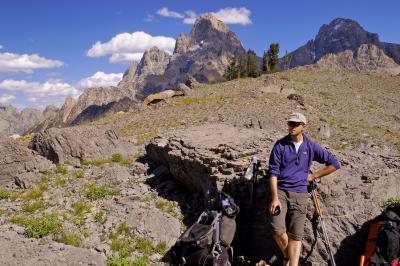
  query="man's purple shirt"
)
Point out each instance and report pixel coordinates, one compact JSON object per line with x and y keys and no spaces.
{"x":292,"y":168}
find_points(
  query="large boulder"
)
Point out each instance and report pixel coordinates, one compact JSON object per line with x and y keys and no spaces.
{"x":202,"y":158}
{"x":74,"y":144}
{"x":20,"y":164}
{"x":213,"y":157}
{"x":19,"y":250}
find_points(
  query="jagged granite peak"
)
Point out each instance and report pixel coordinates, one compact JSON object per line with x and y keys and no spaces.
{"x":67,"y":108}
{"x":97,"y":96}
{"x":129,"y":74}
{"x":13,"y":121}
{"x":181,"y":44}
{"x":153,"y":62}
{"x":338,"y":36}
{"x":204,"y":54}
{"x":367,"y":57}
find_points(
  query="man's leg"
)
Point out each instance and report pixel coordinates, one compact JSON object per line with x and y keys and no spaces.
{"x":282,"y":242}
{"x":294,"y":249}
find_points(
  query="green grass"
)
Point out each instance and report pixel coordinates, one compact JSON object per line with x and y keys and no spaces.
{"x":143,"y":245}
{"x":79,"y":174}
{"x":161,"y":248}
{"x":60,"y":182}
{"x":2,"y":212}
{"x":124,"y":228}
{"x":45,"y":225}
{"x":116,"y":158}
{"x":34,"y":194}
{"x":69,"y":239}
{"x":100,"y":218}
{"x":115,"y":261}
{"x":80,"y":208}
{"x":4,"y":194}
{"x":19,"y":220}
{"x":61,"y":170}
{"x":123,"y":246}
{"x":166,"y":206}
{"x":33,"y":207}
{"x":95,"y":192}
{"x":390,"y":201}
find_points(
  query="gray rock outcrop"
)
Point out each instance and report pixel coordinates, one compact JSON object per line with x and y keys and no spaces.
{"x":74,"y":144}
{"x":367,"y":57}
{"x":19,"y":162}
{"x":211,"y":157}
{"x":18,"y":250}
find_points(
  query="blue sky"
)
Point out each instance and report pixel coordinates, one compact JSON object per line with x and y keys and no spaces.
{"x":48,"y":48}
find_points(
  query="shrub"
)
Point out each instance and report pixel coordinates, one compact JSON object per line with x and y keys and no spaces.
{"x":45,"y":225}
{"x":390,"y":201}
{"x":94,"y":192}
{"x":69,"y":239}
{"x":19,"y":219}
{"x":124,"y":246}
{"x":35,"y":206}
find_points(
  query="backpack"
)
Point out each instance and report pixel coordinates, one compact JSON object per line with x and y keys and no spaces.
{"x":387,"y":251}
{"x":208,"y":240}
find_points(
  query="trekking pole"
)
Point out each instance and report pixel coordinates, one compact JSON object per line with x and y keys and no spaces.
{"x":318,"y":211}
{"x":251,"y":175}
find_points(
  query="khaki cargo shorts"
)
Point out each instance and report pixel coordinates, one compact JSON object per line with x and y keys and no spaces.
{"x":292,"y":218}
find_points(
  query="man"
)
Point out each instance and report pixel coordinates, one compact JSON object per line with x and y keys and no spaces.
{"x":289,"y":167}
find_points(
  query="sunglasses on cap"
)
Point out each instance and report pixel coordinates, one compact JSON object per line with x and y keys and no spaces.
{"x":294,"y":124}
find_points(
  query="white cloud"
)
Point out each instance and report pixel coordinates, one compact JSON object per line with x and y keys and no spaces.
{"x":36,"y":90}
{"x":229,"y":15}
{"x":234,"y":15}
{"x":6,"y":98}
{"x":167,"y":13}
{"x":10,"y":62}
{"x":100,"y":79}
{"x":124,"y":47}
{"x":125,"y":57}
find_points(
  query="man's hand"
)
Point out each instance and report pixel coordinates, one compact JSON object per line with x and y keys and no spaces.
{"x":311,"y":177}
{"x":272,"y":206}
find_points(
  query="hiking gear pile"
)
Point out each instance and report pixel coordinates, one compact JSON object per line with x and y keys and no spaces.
{"x":383,"y":245}
{"x":208,"y":241}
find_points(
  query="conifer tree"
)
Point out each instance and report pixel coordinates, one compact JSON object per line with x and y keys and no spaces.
{"x":265,"y":65}
{"x":242,"y":65}
{"x":274,"y":57}
{"x":252,"y":64}
{"x":232,"y":71}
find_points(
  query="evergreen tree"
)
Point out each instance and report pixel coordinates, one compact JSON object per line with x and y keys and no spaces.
{"x":265,"y":65}
{"x":252,"y":64}
{"x":232,"y":71}
{"x":242,"y":65}
{"x":274,"y":57}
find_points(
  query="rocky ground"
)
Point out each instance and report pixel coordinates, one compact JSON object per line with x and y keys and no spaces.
{"x":128,"y":206}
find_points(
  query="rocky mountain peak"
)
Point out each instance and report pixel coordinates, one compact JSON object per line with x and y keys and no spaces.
{"x":153,"y":62}
{"x":340,"y":35}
